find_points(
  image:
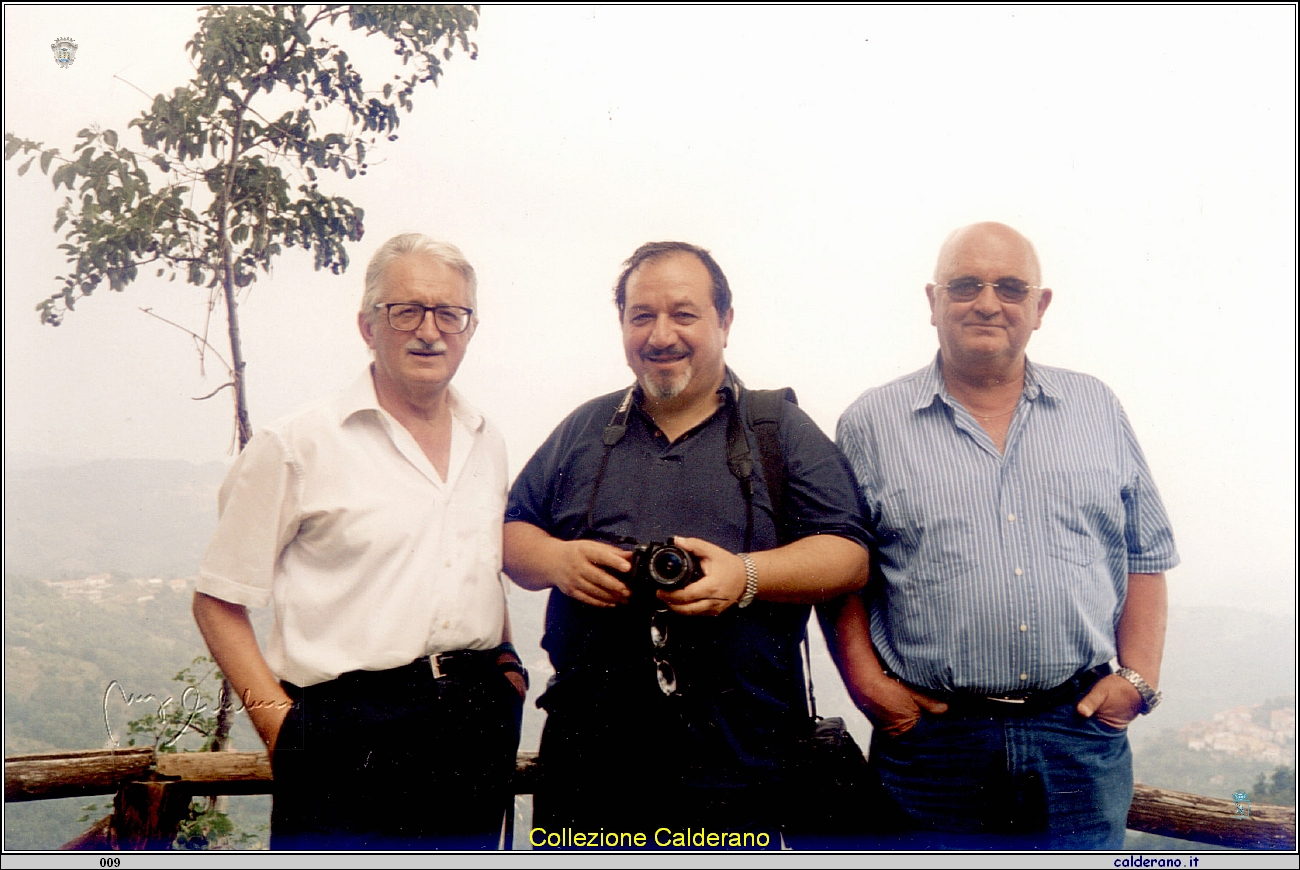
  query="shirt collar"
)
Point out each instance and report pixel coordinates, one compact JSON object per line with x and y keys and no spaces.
{"x":1039,"y":382}
{"x":361,"y":397}
{"x":930,"y":388}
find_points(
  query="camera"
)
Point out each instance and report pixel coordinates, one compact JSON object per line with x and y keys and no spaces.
{"x":658,"y":566}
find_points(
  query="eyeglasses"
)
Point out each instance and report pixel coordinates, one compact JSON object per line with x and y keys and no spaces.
{"x":664,"y":673}
{"x":1009,"y":290}
{"x":409,"y":316}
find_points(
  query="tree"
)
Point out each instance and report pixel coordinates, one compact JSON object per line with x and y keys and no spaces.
{"x":209,"y":194}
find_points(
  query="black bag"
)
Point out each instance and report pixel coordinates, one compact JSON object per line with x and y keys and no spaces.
{"x":834,"y":799}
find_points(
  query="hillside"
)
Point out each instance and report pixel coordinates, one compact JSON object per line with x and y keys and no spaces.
{"x":99,"y":561}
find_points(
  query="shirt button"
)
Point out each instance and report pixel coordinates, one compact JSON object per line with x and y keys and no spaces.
{"x":1023,"y":627}
{"x":1024,"y":677}
{"x":1020,"y":571}
{"x":1011,"y":517}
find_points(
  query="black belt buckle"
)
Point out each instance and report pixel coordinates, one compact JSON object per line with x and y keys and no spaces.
{"x":448,"y":664}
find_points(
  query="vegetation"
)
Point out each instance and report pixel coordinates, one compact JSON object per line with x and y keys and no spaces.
{"x":227,"y":172}
{"x":221,"y":183}
{"x":1278,"y":789}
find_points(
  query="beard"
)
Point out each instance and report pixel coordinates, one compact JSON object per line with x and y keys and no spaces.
{"x":665,"y":386}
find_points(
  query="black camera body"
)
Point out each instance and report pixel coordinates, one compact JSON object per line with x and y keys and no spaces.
{"x":658,"y":566}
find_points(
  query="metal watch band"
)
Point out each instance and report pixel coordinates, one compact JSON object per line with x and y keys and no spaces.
{"x":751,"y":582}
{"x":1150,"y":697}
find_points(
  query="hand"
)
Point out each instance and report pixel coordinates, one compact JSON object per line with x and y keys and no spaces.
{"x":1113,"y":700}
{"x":721,"y":586}
{"x":894,"y":708}
{"x":580,"y":569}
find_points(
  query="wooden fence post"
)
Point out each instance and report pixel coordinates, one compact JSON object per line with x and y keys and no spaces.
{"x":147,"y":814}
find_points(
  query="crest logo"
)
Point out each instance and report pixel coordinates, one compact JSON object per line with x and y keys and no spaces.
{"x":65,"y":52}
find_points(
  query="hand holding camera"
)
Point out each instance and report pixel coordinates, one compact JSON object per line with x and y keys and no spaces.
{"x":719,"y":586}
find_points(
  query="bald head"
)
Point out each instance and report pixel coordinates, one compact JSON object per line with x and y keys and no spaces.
{"x":983,"y":334}
{"x":989,"y":240}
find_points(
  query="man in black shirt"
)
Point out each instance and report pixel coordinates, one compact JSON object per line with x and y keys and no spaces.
{"x":677,"y":708}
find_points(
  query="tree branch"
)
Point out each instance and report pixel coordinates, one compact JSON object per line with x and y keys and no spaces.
{"x":214,"y":392}
{"x":193,"y":335}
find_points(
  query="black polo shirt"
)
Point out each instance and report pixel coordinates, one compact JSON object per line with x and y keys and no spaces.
{"x":739,"y":673}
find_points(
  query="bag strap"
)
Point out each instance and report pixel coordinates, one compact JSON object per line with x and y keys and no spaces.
{"x":765,"y":409}
{"x":807,"y":670}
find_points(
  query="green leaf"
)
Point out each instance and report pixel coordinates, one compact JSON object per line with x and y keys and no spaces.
{"x":111,"y":138}
{"x":22,"y":170}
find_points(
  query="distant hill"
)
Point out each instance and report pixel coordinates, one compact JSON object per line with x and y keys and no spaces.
{"x":132,"y":516}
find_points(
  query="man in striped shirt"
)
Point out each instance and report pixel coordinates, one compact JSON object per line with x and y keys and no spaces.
{"x":1020,"y":547}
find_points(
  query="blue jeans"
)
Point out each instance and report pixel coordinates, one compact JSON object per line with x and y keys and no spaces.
{"x":1050,"y":780}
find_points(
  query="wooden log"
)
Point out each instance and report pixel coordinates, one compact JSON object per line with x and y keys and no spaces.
{"x":527,"y":773}
{"x":219,"y":773}
{"x":146,"y":815}
{"x":98,"y":837}
{"x":1210,"y":820}
{"x":73,"y":774}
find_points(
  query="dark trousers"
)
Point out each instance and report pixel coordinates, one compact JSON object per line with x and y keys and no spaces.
{"x":397,"y":759}
{"x":624,"y":767}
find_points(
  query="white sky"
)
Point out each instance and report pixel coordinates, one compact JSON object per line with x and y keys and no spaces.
{"x":822,"y":155}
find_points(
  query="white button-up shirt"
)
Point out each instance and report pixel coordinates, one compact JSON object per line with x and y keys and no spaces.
{"x":336,"y":516}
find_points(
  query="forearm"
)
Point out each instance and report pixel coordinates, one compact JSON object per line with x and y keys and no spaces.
{"x":1141,"y":635}
{"x":890,"y":704}
{"x":812,"y":570}
{"x":847,"y":627}
{"x":229,"y":635}
{"x":527,"y":557}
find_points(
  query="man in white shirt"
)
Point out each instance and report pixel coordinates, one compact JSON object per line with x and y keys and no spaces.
{"x":388,"y":695}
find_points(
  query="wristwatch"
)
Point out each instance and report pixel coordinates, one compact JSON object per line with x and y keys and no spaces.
{"x":751,"y":582}
{"x":1150,"y":697}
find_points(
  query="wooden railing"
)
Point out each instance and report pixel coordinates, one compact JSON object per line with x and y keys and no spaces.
{"x":152,"y":793}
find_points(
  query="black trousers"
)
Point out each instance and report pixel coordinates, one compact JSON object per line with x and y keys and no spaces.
{"x":623,"y":766}
{"x":397,"y":759}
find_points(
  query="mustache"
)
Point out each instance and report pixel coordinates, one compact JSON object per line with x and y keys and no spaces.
{"x":665,"y":355}
{"x":421,"y":346}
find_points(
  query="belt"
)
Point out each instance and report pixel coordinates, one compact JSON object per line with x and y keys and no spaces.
{"x":422,"y":671}
{"x":965,"y":703}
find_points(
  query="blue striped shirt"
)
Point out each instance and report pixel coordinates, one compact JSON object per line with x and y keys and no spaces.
{"x":1001,"y":572}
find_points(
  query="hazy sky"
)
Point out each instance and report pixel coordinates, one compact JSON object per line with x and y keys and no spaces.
{"x":822,"y":155}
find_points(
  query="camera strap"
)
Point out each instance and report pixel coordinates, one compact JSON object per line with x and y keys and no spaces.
{"x":614,"y":432}
{"x":764,"y":412}
{"x":739,"y":460}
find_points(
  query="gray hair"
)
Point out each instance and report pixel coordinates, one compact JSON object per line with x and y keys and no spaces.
{"x":414,"y":243}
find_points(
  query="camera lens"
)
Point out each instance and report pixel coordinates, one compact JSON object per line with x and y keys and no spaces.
{"x":670,"y":566}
